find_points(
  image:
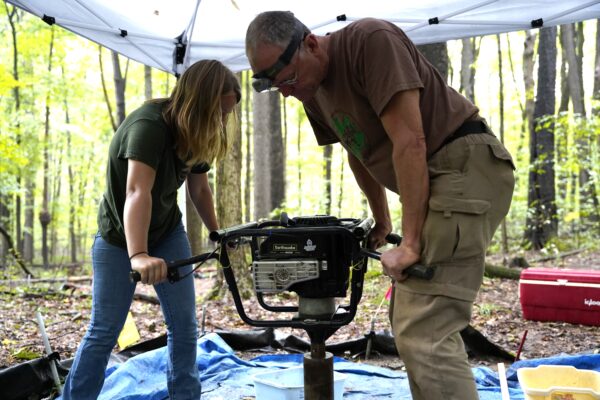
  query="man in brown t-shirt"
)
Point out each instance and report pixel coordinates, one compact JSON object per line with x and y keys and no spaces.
{"x":367,"y":87}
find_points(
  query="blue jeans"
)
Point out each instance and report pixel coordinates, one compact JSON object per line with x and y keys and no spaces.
{"x":112,"y":296}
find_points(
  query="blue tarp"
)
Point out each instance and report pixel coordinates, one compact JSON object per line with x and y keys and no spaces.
{"x":225,"y":376}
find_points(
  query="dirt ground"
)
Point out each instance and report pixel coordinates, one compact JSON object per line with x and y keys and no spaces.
{"x":497,"y":315}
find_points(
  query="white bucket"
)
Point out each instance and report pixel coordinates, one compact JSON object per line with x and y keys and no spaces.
{"x":288,"y":384}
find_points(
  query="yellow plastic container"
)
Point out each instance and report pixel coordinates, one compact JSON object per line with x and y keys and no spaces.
{"x":559,"y":382}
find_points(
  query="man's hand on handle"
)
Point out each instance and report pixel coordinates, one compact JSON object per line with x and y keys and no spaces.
{"x":377,"y":236}
{"x":395,"y":260}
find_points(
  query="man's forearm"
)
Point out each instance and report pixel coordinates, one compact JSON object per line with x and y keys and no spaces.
{"x":374,"y":192}
{"x":413,"y":184}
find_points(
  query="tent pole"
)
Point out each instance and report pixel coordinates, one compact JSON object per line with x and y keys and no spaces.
{"x":147,"y":54}
{"x":450,"y":15}
{"x":572,"y":10}
{"x":189,"y":32}
{"x":48,"y":349}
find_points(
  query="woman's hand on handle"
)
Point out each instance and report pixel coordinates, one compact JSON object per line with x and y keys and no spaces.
{"x":152,"y":270}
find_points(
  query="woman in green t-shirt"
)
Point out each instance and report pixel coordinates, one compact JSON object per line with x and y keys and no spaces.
{"x":159,"y":146}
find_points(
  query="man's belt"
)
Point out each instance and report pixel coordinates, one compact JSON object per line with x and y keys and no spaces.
{"x":467,"y":128}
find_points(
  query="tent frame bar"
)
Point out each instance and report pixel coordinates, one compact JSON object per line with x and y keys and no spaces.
{"x":187,"y":37}
{"x":443,"y":18}
{"x":146,"y":53}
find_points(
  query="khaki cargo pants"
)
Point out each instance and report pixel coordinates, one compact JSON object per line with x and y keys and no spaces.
{"x":471,"y":185}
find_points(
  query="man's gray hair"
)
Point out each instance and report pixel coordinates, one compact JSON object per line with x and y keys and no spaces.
{"x":272,"y":27}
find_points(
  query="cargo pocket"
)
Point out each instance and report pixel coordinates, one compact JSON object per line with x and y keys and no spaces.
{"x":455,"y":229}
{"x":500,"y":153}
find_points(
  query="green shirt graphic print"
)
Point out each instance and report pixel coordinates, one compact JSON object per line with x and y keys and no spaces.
{"x":350,"y":134}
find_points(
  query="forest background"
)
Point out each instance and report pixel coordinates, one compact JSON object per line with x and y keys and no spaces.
{"x":62,"y":98}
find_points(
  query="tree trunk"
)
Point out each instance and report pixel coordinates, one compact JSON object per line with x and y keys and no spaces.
{"x":229,"y":210}
{"x":267,"y":137}
{"x":29,"y":221}
{"x":4,"y":220}
{"x":564,"y":82}
{"x":596,"y":94}
{"x":71,"y":173}
{"x":563,"y":139}
{"x":542,"y":221}
{"x":120,"y":80}
{"x":248,"y":159}
{"x":85,"y":177}
{"x":45,"y":217}
{"x":5,"y":200}
{"x":299,"y":149}
{"x":503,"y":231}
{"x":341,"y":194}
{"x":437,"y":54}
{"x":588,"y":200}
{"x":528,"y":64}
{"x":55,"y":194}
{"x":105,"y":91}
{"x":467,"y":69}
{"x":327,"y":152}
{"x":193,"y":225}
{"x":579,"y":40}
{"x":229,"y":183}
{"x":574,"y":71}
{"x":277,"y":155}
{"x":147,"y":82}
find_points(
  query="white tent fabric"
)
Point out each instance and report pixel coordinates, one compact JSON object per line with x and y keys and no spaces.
{"x":148,"y":30}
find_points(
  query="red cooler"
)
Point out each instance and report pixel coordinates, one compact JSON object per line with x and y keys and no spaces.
{"x":568,"y":295}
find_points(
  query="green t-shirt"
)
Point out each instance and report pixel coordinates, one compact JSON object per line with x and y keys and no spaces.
{"x":144,"y":136}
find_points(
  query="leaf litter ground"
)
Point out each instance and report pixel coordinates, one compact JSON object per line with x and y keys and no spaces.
{"x":497,"y":315}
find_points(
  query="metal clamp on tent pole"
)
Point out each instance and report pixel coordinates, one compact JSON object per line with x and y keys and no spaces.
{"x":178,"y":54}
{"x":49,"y":20}
{"x":537,"y":23}
{"x":341,"y":17}
{"x":434,"y":21}
{"x":123,"y":32}
{"x":449,"y":15}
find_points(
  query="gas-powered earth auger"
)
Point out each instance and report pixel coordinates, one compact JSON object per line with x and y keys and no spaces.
{"x":317,"y":257}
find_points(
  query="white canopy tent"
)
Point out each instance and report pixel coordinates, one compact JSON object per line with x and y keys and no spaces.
{"x":170,"y":35}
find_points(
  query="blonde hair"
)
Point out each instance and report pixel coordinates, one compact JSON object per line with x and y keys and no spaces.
{"x":193,"y":111}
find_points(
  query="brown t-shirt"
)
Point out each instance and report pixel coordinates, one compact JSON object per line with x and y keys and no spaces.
{"x":369,"y":61}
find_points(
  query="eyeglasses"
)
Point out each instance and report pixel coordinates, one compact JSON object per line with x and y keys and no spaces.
{"x":263,"y":81}
{"x":287,"y":82}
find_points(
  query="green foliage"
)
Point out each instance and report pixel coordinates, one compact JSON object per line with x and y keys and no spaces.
{"x":25,"y":354}
{"x":11,"y":157}
{"x":72,"y":94}
{"x":7,"y":81}
{"x":487,"y":309}
{"x":76,"y":170}
{"x":374,"y":272}
{"x":577,"y":139}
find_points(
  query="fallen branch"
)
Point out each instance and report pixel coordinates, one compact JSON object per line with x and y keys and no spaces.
{"x":16,"y":282}
{"x":146,"y":297}
{"x":73,"y":287}
{"x":555,"y":256}
{"x":38,"y":295}
{"x":495,"y":271}
{"x":137,"y":296}
{"x":58,"y":266}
